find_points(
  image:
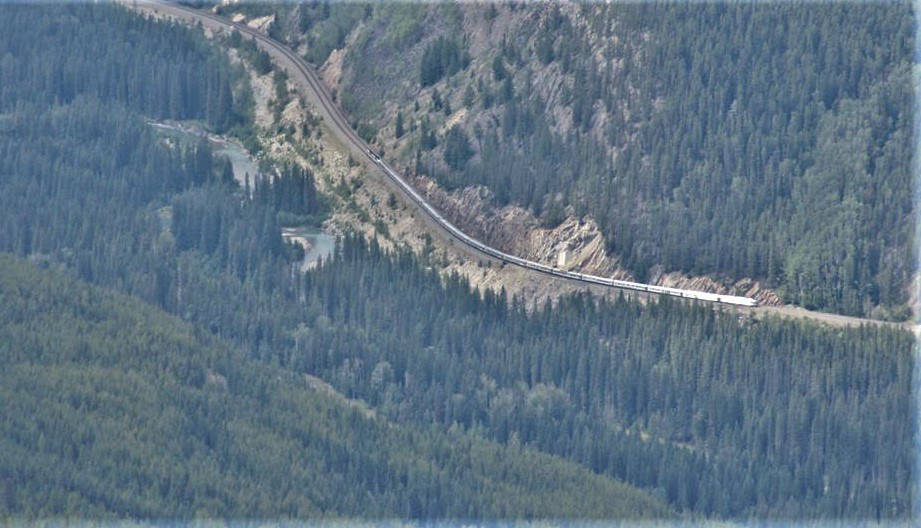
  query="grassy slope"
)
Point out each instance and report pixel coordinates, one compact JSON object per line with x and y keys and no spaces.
{"x":109,"y":407}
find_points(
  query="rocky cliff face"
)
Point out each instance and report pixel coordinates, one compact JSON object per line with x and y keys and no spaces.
{"x":575,"y":244}
{"x":743,"y":287}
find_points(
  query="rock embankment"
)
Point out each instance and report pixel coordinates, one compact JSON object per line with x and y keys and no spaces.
{"x":576,"y":244}
{"x":742,"y":287}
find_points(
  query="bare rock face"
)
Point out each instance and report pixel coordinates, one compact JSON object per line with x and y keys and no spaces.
{"x":331,"y":71}
{"x":742,"y":287}
{"x":576,"y":244}
{"x":263,"y":23}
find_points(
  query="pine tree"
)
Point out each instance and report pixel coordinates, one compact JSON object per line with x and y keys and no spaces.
{"x":398,"y":128}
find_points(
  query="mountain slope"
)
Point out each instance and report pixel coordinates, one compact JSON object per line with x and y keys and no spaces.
{"x":692,"y":135}
{"x":717,"y":414}
{"x":114,"y":409}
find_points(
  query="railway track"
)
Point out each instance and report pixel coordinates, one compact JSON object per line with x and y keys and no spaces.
{"x":340,"y":125}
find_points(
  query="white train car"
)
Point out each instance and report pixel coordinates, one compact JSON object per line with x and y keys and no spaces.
{"x":537,"y":266}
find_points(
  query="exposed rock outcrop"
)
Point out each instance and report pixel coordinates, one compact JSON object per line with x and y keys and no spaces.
{"x":575,"y":244}
{"x":263,"y":23}
{"x":743,"y":287}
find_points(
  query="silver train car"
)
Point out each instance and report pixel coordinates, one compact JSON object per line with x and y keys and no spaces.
{"x":594,"y":279}
{"x":325,"y":100}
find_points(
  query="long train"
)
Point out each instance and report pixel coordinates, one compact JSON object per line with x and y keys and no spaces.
{"x":543,"y":268}
{"x":469,"y":241}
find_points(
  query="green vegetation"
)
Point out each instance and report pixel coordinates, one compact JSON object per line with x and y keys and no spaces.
{"x":762,"y":141}
{"x":457,"y":148}
{"x":442,"y":58}
{"x":116,"y":410}
{"x":794,"y":416}
{"x":404,"y":24}
{"x":180,"y":77}
{"x":327,"y":24}
{"x":185,"y":393}
{"x":398,"y":129}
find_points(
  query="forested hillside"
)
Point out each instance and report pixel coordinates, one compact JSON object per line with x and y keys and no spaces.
{"x":159,"y":70}
{"x":762,"y":141}
{"x":475,"y":397}
{"x":116,"y":410}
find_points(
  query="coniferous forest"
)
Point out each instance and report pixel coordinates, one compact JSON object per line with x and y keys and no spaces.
{"x":162,"y":355}
{"x":763,"y":140}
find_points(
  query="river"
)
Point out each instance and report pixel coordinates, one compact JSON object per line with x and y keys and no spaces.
{"x":229,"y":149}
{"x":317,"y":244}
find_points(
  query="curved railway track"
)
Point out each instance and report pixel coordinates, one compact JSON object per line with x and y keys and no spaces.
{"x":338,"y":121}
